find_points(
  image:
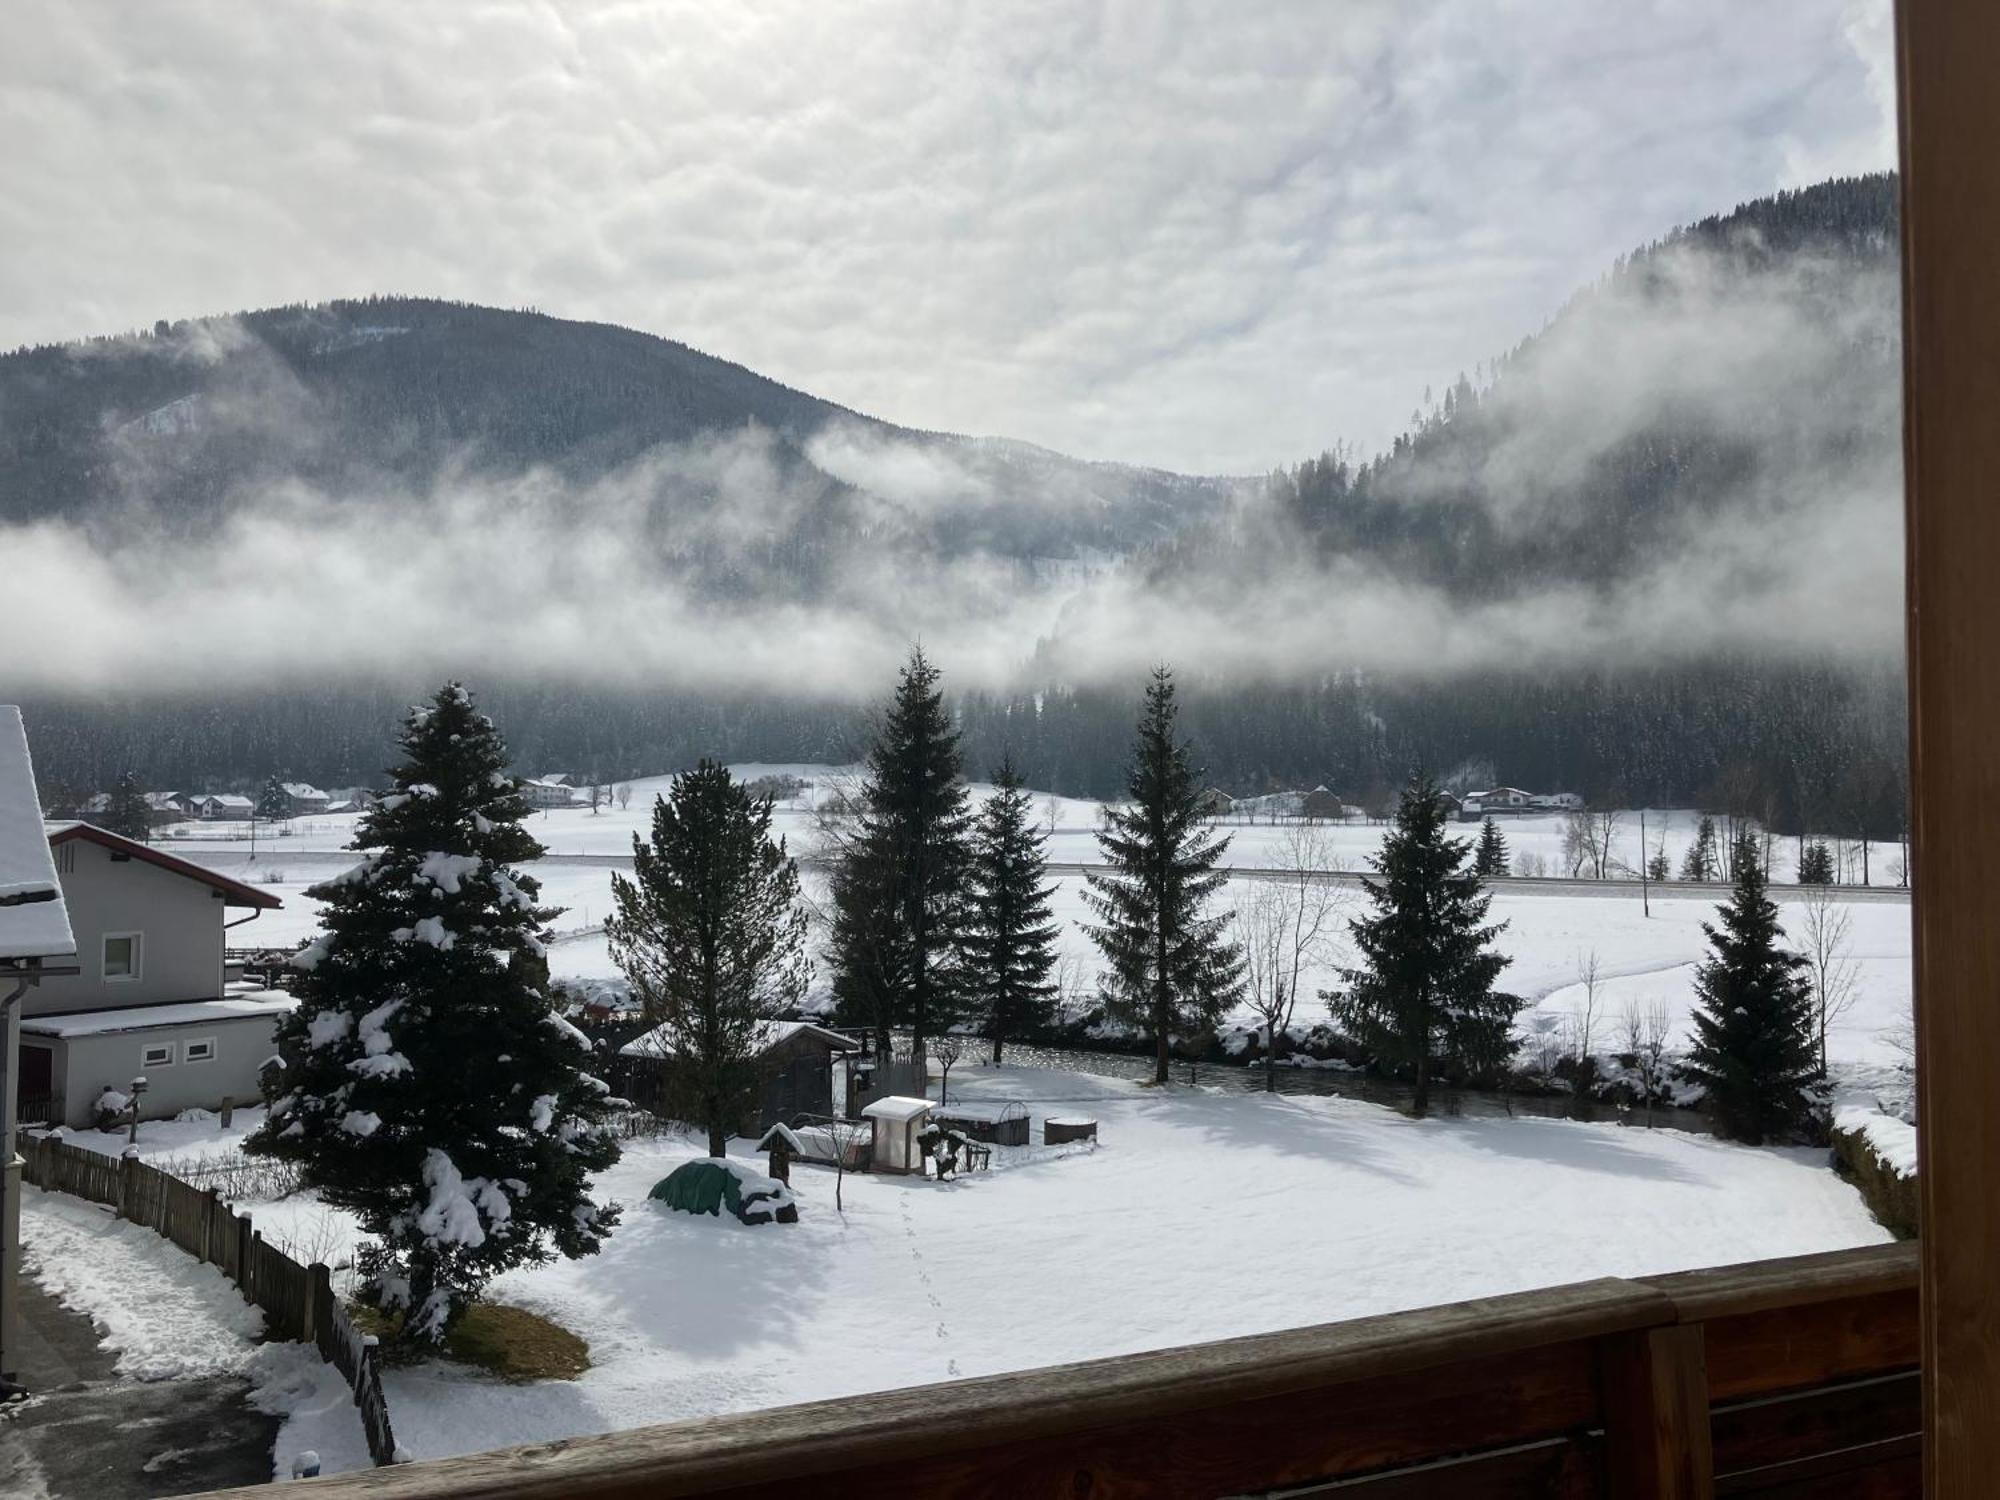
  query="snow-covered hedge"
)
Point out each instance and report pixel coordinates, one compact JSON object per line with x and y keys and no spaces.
{"x":1879,"y":1152}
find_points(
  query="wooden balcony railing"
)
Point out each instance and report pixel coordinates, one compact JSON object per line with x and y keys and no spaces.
{"x":1776,"y":1379}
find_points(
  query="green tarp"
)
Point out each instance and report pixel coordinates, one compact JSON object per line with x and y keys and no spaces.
{"x":704,"y":1187}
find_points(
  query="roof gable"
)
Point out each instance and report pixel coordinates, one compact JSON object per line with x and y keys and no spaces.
{"x":234,"y":892}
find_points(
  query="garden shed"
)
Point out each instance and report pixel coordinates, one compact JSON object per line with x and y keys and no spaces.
{"x":897,"y":1122}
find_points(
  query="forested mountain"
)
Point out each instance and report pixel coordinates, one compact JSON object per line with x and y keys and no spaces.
{"x":1649,"y":554}
{"x":741,"y":484}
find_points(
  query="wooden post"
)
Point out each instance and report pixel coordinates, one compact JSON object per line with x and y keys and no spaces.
{"x":128,"y":1181}
{"x":319,"y":1295}
{"x":1656,"y":1414}
{"x":1947,"y":51}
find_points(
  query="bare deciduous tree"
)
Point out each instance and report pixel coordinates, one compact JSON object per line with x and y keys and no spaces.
{"x":1646,"y":1032}
{"x":1589,"y":840}
{"x":1289,"y":924}
{"x":947,"y":1047}
{"x":1582,"y":1025}
{"x":624,"y":795}
{"x":1824,"y":935}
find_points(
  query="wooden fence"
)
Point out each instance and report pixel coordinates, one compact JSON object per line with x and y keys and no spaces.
{"x":298,"y":1301}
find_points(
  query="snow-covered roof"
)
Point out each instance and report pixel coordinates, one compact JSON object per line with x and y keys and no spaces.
{"x":782,"y":1132}
{"x":304,"y":791}
{"x":898,"y":1107}
{"x":33,"y":920}
{"x":658,"y":1042}
{"x":983,"y":1111}
{"x":248,"y":1006}
{"x":225,"y":799}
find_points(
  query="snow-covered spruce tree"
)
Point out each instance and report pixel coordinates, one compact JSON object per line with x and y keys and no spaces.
{"x":710,"y":933}
{"x":426,"y":1084}
{"x":1489,"y":861}
{"x":1009,"y":942}
{"x":1173,"y":966}
{"x":899,"y":903}
{"x":128,"y":812}
{"x":274,"y":805}
{"x":1753,"y":1050}
{"x":1424,"y":997}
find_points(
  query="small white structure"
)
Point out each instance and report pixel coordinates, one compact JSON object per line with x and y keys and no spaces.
{"x":898,"y":1120}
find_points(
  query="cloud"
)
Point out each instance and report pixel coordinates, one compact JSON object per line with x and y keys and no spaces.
{"x":1205,"y":236}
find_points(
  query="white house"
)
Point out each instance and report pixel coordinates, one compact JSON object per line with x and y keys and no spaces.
{"x":548,"y":791}
{"x":35,"y":945}
{"x":221,"y":807}
{"x":306,"y":798}
{"x":151,"y":997}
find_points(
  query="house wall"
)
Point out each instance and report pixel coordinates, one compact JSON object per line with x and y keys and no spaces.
{"x":90,"y":1064}
{"x":180,"y":921}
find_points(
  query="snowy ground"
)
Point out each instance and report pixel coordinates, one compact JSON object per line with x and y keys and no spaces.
{"x":1199,"y":1216}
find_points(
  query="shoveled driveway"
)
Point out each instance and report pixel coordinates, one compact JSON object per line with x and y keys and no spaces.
{"x":85,"y":1434}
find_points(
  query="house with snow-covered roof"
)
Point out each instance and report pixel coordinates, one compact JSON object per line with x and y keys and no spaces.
{"x":548,"y":791}
{"x":151,"y":995}
{"x":305,"y":798}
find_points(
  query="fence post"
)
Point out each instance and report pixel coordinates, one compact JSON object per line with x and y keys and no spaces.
{"x":242,"y":1222}
{"x":319,"y":1299}
{"x":128,"y":1179}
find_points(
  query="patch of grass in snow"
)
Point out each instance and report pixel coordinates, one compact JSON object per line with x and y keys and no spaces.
{"x":509,"y":1342}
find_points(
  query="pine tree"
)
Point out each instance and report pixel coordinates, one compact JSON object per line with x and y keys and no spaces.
{"x":1816,"y":864}
{"x":274,"y":804}
{"x":1700,"y":863}
{"x":1490,"y":861}
{"x":1010,"y":937}
{"x":1753,"y":1043}
{"x":1425,"y":998}
{"x":1657,"y":869}
{"x":426,"y":1085}
{"x":903,"y":879}
{"x":1173,"y":967}
{"x":128,"y":812}
{"x":710,"y":933}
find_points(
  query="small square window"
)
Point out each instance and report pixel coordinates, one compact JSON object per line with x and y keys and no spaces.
{"x":157,"y":1055}
{"x":201,"y":1051}
{"x":121,"y":955}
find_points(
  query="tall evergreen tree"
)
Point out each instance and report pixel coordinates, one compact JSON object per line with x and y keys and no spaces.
{"x":1753,"y":1049}
{"x":1173,"y":965}
{"x":1490,"y":859}
{"x":1425,"y":997}
{"x":128,"y":812}
{"x":274,"y":804}
{"x":902,"y":881}
{"x":1700,"y":862}
{"x":426,"y":1084}
{"x":1010,"y":937}
{"x":710,"y":933}
{"x":1816,"y":864}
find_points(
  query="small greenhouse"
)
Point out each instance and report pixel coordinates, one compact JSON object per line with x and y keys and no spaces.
{"x":712,"y":1183}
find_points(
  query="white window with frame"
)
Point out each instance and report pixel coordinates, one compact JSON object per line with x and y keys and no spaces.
{"x":122,"y":957}
{"x":198,"y":1050}
{"x":156,"y":1055}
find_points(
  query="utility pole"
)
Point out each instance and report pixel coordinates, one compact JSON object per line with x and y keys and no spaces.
{"x":1645,"y":897}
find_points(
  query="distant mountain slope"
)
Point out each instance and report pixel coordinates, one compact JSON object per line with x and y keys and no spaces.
{"x":404,"y":397}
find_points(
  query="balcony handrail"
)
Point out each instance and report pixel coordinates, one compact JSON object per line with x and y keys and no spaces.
{"x":1014,"y":1414}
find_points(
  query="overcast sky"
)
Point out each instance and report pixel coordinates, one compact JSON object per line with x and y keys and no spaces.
{"x":1214,"y":238}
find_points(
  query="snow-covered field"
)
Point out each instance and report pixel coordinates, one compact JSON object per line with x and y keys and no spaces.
{"x":1550,"y":932}
{"x":1200,"y":1215}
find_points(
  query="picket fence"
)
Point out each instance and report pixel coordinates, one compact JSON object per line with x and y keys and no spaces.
{"x":298,"y":1301}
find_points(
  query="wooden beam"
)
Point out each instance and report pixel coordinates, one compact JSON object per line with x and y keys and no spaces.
{"x":1656,"y":1415}
{"x":1948,"y":56}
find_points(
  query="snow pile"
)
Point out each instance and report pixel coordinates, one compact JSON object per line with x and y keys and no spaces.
{"x":291,"y":1381}
{"x":448,"y":871}
{"x":1893,"y":1141}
